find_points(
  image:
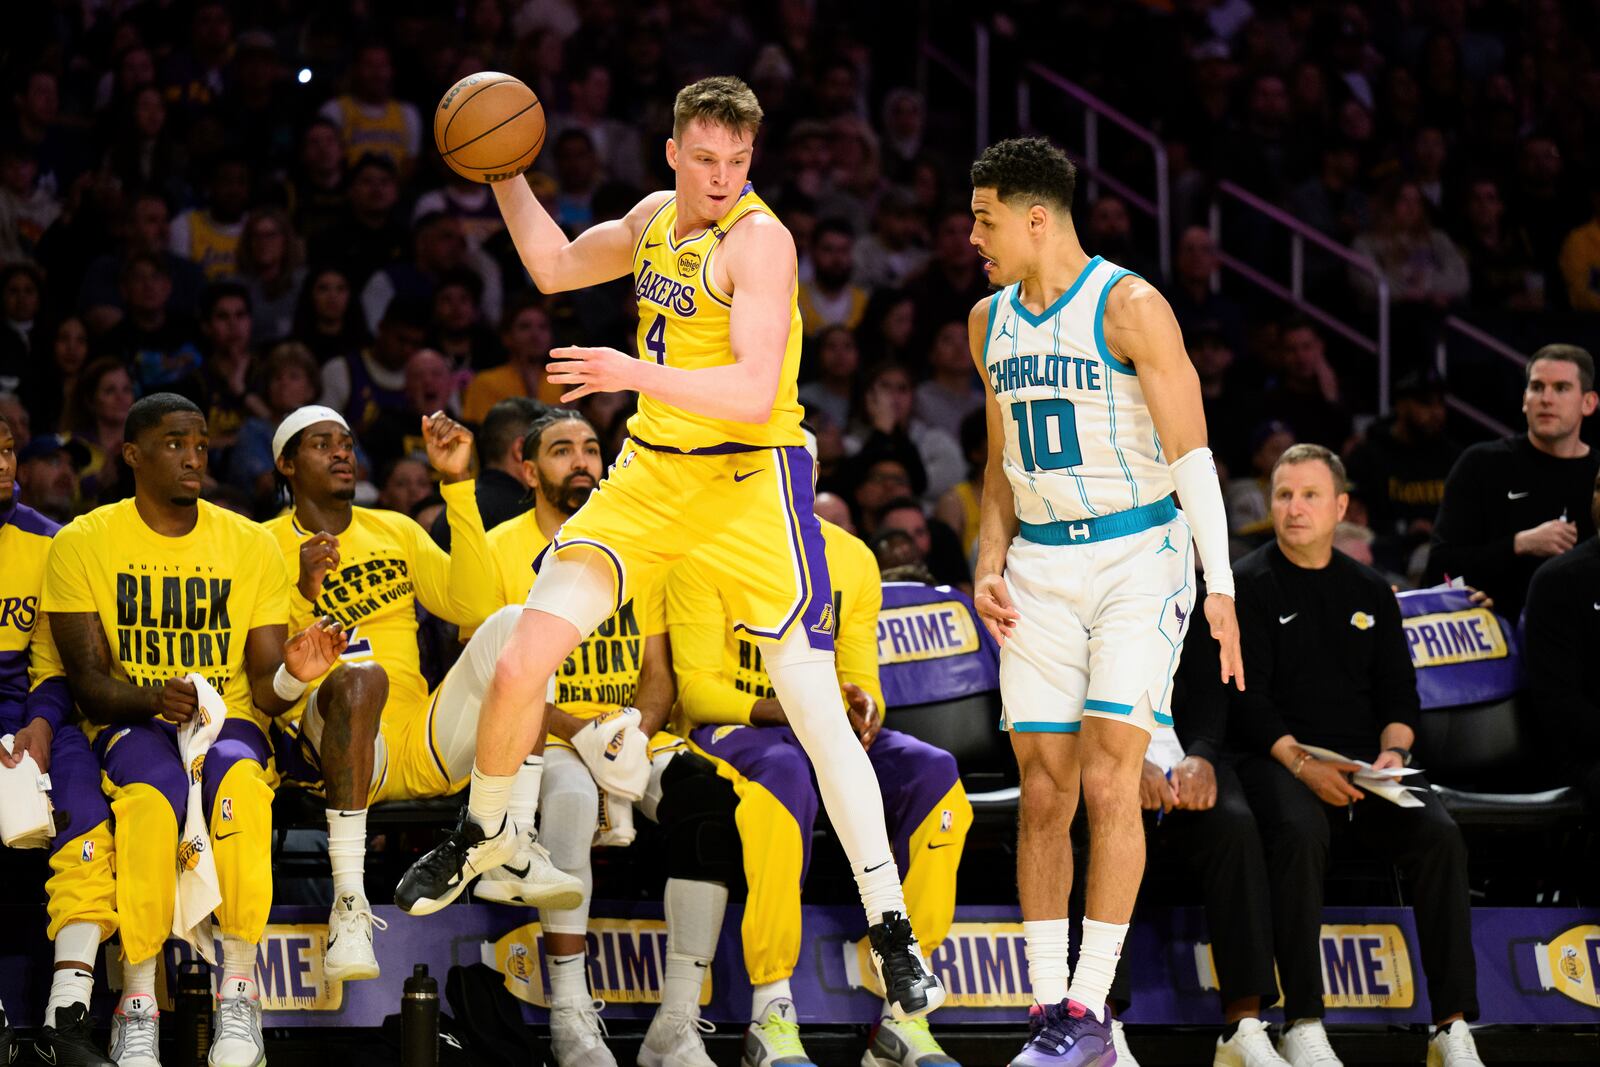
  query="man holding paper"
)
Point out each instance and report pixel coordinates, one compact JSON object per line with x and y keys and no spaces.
{"x":1330,"y":670}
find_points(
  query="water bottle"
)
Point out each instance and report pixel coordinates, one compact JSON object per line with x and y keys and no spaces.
{"x":419,"y":1020}
{"x":194,"y":1013}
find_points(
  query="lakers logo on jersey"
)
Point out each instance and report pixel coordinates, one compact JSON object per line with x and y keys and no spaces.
{"x":688,"y":265}
{"x":825,"y":622}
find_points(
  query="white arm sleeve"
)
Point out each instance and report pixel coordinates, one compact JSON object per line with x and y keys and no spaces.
{"x":1195,"y":477}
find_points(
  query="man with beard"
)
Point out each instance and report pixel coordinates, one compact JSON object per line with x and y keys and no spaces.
{"x":369,"y":730}
{"x":1511,"y":504}
{"x":830,"y":298}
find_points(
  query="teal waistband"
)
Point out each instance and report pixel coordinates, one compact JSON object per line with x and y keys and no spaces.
{"x":1101,"y":527}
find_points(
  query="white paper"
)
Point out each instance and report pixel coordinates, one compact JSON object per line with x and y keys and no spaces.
{"x":1383,"y":782}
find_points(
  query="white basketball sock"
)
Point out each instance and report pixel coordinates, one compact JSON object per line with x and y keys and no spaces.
{"x":1048,"y":942}
{"x":765,"y":995}
{"x":76,"y":943}
{"x":239,"y":962}
{"x":569,"y":980}
{"x":347,"y":851}
{"x":694,"y":919}
{"x":487,"y":800}
{"x":1097,"y":964}
{"x":139,"y":979}
{"x":525,"y":793}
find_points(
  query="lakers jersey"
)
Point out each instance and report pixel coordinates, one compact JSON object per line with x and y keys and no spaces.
{"x":719,"y":669}
{"x":30,"y":670}
{"x":1080,"y":441}
{"x":683,"y":322}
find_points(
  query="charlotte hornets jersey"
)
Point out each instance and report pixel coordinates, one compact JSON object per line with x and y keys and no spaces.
{"x":1080,"y":442}
{"x":683,"y":322}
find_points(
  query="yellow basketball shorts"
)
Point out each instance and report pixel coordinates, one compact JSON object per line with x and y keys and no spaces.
{"x":406,"y":764}
{"x":747,"y":516}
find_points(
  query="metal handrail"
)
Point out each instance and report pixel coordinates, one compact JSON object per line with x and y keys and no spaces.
{"x":1095,"y":109}
{"x":1299,"y":233}
{"x":1476,"y":335}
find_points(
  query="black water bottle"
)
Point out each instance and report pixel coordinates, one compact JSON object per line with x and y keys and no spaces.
{"x":194,"y":1013}
{"x":419,"y":1020}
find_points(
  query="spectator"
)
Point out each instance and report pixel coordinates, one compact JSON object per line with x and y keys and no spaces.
{"x":27,"y":208}
{"x":857,"y":174}
{"x":327,"y":319}
{"x":363,"y":385}
{"x":1109,"y":232}
{"x":960,"y":508}
{"x":222,"y":389}
{"x":886,"y":416}
{"x":145,"y":152}
{"x":882,"y":474}
{"x":437,"y":248}
{"x":525,"y":333}
{"x":20,"y":286}
{"x":828,"y":397}
{"x":937,"y":546}
{"x":369,"y":119}
{"x":194,"y":74}
{"x":833,"y":509}
{"x":892,"y":253}
{"x":290,"y":380}
{"x":1511,"y":504}
{"x":458,"y":327}
{"x":209,"y":236}
{"x":12,"y":411}
{"x":953,"y":278}
{"x":954,"y":391}
{"x":1398,"y":470}
{"x":35,"y":128}
{"x":470,"y":203}
{"x":905,"y":116}
{"x":1500,"y":263}
{"x":1306,"y":391}
{"x":99,"y":410}
{"x":1420,"y":263}
{"x":316,"y":185}
{"x":146,"y":230}
{"x":830,"y":298}
{"x":429,"y":387}
{"x":1249,"y":497}
{"x":890,"y":325}
{"x":1354,"y":540}
{"x":368,"y":237}
{"x":577,"y":173}
{"x":1333,"y":201}
{"x":1232,"y":403}
{"x":271,"y":266}
{"x":404,"y":485}
{"x":1193,"y":300}
{"x":1544,"y":200}
{"x":47,"y":474}
{"x":257,"y":99}
{"x":1580,"y":260}
{"x":503,"y":487}
{"x":616,"y":144}
{"x":160,"y":348}
{"x":1561,"y":630}
{"x":1329,"y":665}
{"x":1260,"y":155}
{"x":50,"y":394}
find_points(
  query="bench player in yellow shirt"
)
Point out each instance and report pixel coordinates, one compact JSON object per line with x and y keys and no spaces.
{"x":714,"y":466}
{"x":141,"y":594}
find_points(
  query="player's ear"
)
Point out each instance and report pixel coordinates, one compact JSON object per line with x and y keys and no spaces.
{"x":672,"y":153}
{"x":1038,"y":218}
{"x":130,"y":455}
{"x":285,"y":466}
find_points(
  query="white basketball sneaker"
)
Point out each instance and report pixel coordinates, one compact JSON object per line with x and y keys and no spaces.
{"x":136,"y":1033}
{"x":577,"y":1034}
{"x":1453,"y":1047}
{"x":674,"y":1040}
{"x":349,"y":957}
{"x":1305,"y":1044}
{"x":236,"y":1039}
{"x":1250,"y":1046}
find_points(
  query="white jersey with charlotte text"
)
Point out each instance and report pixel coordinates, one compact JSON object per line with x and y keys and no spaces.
{"x":1080,"y":442}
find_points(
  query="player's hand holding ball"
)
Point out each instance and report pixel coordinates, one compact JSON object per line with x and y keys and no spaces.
{"x":489,"y":127}
{"x":449,"y":446}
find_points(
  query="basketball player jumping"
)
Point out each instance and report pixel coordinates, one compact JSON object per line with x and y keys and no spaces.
{"x":714,"y":465}
{"x":1084,"y":570}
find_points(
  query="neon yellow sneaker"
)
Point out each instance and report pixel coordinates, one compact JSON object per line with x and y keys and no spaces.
{"x":904,"y":1043}
{"x":776,"y":1042}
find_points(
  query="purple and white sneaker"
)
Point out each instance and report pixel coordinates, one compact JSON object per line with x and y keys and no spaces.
{"x":1066,"y":1035}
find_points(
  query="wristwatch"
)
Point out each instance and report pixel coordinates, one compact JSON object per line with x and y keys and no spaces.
{"x":1403,"y":753}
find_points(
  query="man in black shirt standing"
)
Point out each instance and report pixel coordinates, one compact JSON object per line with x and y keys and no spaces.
{"x":1329,"y":666}
{"x":1510,"y":505}
{"x":502,"y":493}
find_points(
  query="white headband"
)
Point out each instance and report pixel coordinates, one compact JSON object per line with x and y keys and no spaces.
{"x":298,"y":420}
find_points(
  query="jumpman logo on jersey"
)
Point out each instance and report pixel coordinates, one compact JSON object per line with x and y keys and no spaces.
{"x":1166,"y":546}
{"x":1005,"y":329}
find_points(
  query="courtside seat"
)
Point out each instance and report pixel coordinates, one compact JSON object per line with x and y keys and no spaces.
{"x":967,"y":728}
{"x":1477,"y":758}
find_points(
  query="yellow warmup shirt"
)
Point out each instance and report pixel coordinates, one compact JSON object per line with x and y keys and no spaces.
{"x":683,"y":322}
{"x":28,"y":656}
{"x":387,"y":565}
{"x":720,"y":673}
{"x":172,"y":605}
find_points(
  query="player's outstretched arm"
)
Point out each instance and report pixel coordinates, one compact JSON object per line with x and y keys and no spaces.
{"x":760,"y":259}
{"x":1141,"y":329}
{"x":599,"y":254}
{"x":997,"y":511}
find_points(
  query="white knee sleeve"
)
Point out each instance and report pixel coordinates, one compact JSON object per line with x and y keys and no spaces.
{"x":569,"y":804}
{"x":580,"y":587}
{"x":455,"y":717}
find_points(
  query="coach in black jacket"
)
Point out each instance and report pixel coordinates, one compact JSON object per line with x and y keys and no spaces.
{"x":1328,"y":665}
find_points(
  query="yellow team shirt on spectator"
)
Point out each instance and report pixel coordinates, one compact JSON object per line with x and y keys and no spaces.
{"x":1580,"y":266}
{"x":489,"y":387}
{"x":720,"y":673}
{"x":172,"y":605}
{"x":387,"y":565}
{"x":603,"y":672}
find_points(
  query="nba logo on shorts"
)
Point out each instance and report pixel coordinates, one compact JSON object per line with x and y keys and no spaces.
{"x":946,"y":817}
{"x":227,"y":809}
{"x":88,"y":851}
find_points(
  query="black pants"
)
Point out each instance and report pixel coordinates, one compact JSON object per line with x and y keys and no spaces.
{"x":1297,"y":830}
{"x":1220,"y":851}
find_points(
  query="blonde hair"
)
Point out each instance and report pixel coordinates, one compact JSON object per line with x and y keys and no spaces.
{"x":723,"y":101}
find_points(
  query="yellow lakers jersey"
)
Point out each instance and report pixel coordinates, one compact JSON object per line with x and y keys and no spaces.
{"x":213,"y":245}
{"x":27,"y":655}
{"x":387,"y":565}
{"x":683,"y":322}
{"x":603,"y":672}
{"x":171,"y":606}
{"x":381,"y":132}
{"x":719,"y":670}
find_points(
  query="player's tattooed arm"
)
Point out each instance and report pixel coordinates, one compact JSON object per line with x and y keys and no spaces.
{"x":997,"y":511}
{"x":105,"y":699}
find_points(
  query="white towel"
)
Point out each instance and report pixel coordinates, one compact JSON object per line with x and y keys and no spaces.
{"x":26,"y":815}
{"x":198,"y":890}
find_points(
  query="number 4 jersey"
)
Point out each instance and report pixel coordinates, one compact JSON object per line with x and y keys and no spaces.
{"x":1080,"y":442}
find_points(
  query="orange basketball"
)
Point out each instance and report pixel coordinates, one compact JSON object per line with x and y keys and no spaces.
{"x":489,"y":127}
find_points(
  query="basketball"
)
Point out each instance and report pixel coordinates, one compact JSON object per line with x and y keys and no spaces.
{"x":489,"y":127}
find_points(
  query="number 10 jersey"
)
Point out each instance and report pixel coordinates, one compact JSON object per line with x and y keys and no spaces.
{"x":1080,"y":442}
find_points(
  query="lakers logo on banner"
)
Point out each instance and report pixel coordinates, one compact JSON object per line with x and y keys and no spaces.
{"x":1570,"y":964}
{"x":925,"y":631}
{"x":627,"y":962}
{"x":288,"y":970}
{"x":982,"y":965}
{"x":1450,"y":637}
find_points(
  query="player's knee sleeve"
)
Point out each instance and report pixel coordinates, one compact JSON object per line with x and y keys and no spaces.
{"x":696,"y":813}
{"x":579,"y":586}
{"x":241,"y":840}
{"x":568,"y":812}
{"x":145,"y":836}
{"x":453,"y":723}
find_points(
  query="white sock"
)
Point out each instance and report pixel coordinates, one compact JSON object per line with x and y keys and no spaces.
{"x":139,"y":979}
{"x":525,"y":793}
{"x":879,"y":886}
{"x":239,"y":963}
{"x":487,"y":801}
{"x":1097,"y":964}
{"x":347,"y":852}
{"x":569,"y":978}
{"x":764,"y":995}
{"x":694,"y":919}
{"x":1048,"y":942}
{"x":77,"y":943}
